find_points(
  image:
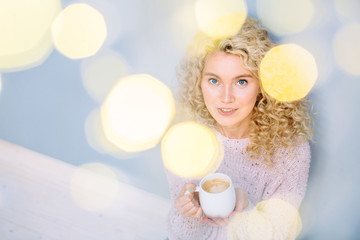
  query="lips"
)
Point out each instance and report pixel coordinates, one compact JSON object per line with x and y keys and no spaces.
{"x":227,"y":111}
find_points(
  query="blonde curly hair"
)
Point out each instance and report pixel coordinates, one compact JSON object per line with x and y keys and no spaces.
{"x":273,"y":123}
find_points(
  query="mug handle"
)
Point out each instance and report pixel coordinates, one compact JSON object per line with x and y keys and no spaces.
{"x":197,"y":189}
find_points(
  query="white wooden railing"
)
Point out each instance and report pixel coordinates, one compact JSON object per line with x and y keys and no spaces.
{"x":36,"y":203}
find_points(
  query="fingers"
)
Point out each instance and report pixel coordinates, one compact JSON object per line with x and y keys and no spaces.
{"x":188,"y":187}
{"x":186,"y":204}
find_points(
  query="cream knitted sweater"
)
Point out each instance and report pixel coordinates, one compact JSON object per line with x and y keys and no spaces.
{"x":286,"y":179}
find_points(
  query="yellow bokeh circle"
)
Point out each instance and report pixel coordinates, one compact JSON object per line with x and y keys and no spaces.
{"x":96,"y":138}
{"x":101,"y":72}
{"x":137,"y":112}
{"x":190,"y":149}
{"x":288,"y":72}
{"x":220,"y":18}
{"x":79,"y":31}
{"x":347,"y":48}
{"x":273,"y":217}
{"x":285,"y":17}
{"x":25,"y":28}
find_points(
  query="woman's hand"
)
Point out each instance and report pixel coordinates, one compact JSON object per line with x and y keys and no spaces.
{"x":241,"y":203}
{"x":188,"y":205}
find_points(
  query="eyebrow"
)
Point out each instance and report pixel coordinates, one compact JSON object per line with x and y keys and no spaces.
{"x":239,"y":76}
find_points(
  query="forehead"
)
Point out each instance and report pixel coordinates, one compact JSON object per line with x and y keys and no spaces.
{"x":224,"y":62}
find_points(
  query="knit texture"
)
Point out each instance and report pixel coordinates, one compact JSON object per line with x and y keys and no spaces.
{"x":286,"y":180}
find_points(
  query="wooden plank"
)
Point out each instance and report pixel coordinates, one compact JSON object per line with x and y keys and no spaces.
{"x":35,"y":197}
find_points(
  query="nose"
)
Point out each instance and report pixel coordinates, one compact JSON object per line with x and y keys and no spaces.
{"x":227,"y":95}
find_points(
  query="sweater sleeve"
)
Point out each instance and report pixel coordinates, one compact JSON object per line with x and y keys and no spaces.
{"x":178,"y":225}
{"x":276,"y":216}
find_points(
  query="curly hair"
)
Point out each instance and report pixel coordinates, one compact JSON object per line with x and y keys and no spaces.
{"x":273,"y":123}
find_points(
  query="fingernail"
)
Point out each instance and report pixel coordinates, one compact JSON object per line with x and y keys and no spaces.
{"x":191,"y":189}
{"x":213,"y":219}
{"x":231,"y":218}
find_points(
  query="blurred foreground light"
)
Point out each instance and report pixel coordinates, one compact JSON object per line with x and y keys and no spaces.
{"x":79,"y":31}
{"x":96,"y":138}
{"x":270,"y":219}
{"x":271,"y":216}
{"x":319,"y":48}
{"x":183,"y":25}
{"x":347,"y":48}
{"x":137,"y":112}
{"x":288,"y":72}
{"x":101,"y":72}
{"x":348,"y":9}
{"x":94,"y":186}
{"x":284,"y":16}
{"x":25,"y":28}
{"x":191,"y":150}
{"x":220,"y":18}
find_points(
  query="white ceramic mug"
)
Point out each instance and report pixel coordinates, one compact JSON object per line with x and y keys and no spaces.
{"x":219,"y":204}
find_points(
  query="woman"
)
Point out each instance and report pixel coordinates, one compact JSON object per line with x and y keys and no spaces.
{"x":266,"y":150}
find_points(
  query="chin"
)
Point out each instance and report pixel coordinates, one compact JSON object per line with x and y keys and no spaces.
{"x":225,"y":123}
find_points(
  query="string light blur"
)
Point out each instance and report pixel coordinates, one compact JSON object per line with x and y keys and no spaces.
{"x":347,"y":49}
{"x":96,"y":138}
{"x":79,"y":31}
{"x":25,"y":32}
{"x":190,"y":150}
{"x":137,"y":112}
{"x":348,"y":9}
{"x":184,"y":25}
{"x":94,"y":186}
{"x":220,"y":18}
{"x":101,"y":72}
{"x":274,"y":214}
{"x":270,"y":219}
{"x":285,"y":17}
{"x":288,"y":72}
{"x":318,"y":46}
{"x":112,"y":14}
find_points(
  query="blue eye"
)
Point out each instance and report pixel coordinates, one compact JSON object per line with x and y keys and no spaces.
{"x":213,"y":81}
{"x":242,"y":82}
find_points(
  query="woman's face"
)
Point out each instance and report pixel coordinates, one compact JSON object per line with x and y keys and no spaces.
{"x":229,"y":91}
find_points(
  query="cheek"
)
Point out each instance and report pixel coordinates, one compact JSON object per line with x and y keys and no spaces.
{"x":207,"y":94}
{"x":248,"y":99}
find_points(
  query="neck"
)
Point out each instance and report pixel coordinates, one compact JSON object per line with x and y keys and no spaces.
{"x":234,"y":132}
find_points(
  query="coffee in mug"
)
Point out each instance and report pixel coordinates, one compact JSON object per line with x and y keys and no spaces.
{"x":216,"y":195}
{"x":215,"y":185}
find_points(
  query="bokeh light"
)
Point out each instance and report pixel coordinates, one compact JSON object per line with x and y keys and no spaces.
{"x":25,"y":28}
{"x":184,"y":25}
{"x":101,"y":72}
{"x":347,"y":48}
{"x":96,"y":138}
{"x":318,"y":46}
{"x":270,"y":219}
{"x":190,"y":150}
{"x":79,"y":31}
{"x":220,"y":18}
{"x":285,"y":17}
{"x":137,"y":112}
{"x":112,"y":13}
{"x":271,"y":216}
{"x":94,"y":186}
{"x":288,"y":72}
{"x":348,"y":9}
